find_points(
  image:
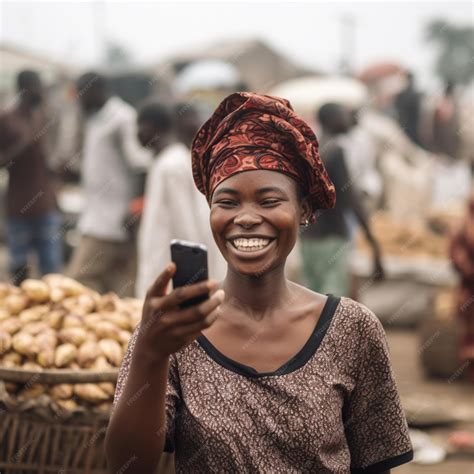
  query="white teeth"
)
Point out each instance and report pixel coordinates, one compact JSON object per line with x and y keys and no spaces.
{"x":250,"y":244}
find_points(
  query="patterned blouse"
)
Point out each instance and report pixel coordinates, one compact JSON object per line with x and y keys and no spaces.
{"x":333,"y":408}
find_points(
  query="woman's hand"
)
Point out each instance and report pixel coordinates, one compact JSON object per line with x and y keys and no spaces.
{"x":165,"y":327}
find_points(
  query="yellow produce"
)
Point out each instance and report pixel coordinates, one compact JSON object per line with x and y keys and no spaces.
{"x":71,"y":287}
{"x":5,"y":342}
{"x":112,"y":351}
{"x":124,"y":337}
{"x":73,"y":335}
{"x":106,"y":329}
{"x":55,"y":318}
{"x":68,"y":405}
{"x":108,"y":388}
{"x":45,"y":357}
{"x":35,"y":327}
{"x":34,"y":313}
{"x":47,"y":339}
{"x":4,"y":314}
{"x":91,"y":336}
{"x":29,"y":365}
{"x":91,"y":320}
{"x":56,"y":294}
{"x":120,"y":320}
{"x":87,"y":303}
{"x":62,"y":391}
{"x":73,"y":321}
{"x":25,"y":344}
{"x":88,"y":353}
{"x":65,"y":353}
{"x":36,"y":290}
{"x":90,"y":392}
{"x":109,"y":302}
{"x":10,"y":325}
{"x":101,"y":363}
{"x":15,"y":303}
{"x":10,"y":360}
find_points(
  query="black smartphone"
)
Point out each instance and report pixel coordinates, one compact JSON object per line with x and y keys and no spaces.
{"x":191,"y":267}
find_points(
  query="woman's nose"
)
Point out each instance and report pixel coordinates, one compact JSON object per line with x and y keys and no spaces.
{"x":247,"y":219}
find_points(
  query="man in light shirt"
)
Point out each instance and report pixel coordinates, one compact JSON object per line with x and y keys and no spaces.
{"x":105,"y":258}
{"x":174,"y":208}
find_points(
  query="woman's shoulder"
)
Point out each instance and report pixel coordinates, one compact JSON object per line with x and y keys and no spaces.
{"x":358,"y":318}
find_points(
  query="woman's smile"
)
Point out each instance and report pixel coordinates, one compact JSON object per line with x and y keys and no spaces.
{"x":250,"y":247}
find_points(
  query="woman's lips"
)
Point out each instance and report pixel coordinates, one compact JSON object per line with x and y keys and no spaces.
{"x":250,"y":254}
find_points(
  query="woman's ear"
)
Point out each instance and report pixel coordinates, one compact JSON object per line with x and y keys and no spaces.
{"x":306,"y":212}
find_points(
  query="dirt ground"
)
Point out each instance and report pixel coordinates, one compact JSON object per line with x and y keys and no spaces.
{"x":455,"y":395}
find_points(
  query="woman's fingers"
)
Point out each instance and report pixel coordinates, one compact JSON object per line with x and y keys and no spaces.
{"x":181,"y":294}
{"x":158,"y":288}
{"x":207,"y":317}
{"x":195,"y":313}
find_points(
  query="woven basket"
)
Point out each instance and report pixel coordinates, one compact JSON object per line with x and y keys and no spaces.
{"x":31,"y":443}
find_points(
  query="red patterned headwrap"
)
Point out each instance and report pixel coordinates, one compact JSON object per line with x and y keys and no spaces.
{"x":259,"y":132}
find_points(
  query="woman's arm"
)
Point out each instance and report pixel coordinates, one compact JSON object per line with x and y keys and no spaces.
{"x":136,"y":432}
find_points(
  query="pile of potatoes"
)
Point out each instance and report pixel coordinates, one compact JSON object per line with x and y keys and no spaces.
{"x":57,"y":322}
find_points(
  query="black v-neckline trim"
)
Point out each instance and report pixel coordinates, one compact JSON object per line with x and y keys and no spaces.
{"x":300,"y":359}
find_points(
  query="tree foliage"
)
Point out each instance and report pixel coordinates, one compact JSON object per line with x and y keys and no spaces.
{"x":455,"y":44}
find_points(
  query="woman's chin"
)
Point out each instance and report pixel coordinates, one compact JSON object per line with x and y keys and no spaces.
{"x":251,"y":269}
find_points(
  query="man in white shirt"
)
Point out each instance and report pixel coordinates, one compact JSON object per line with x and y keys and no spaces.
{"x":361,"y":156}
{"x":174,"y":208}
{"x":105,"y":258}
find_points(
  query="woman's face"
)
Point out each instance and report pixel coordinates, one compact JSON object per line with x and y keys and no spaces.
{"x":255,"y":218}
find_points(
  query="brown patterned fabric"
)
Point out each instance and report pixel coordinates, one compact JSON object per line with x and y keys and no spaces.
{"x":337,"y":413}
{"x":259,"y":132}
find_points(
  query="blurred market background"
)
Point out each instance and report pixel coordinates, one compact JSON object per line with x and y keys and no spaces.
{"x":403,"y":71}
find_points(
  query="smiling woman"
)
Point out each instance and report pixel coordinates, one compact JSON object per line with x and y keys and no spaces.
{"x":266,"y":375}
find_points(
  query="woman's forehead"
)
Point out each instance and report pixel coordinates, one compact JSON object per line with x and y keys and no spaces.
{"x":255,"y":180}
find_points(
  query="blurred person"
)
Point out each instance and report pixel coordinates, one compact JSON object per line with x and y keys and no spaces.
{"x":446,"y":137}
{"x":174,"y":208}
{"x":408,"y":109}
{"x":265,"y":375}
{"x":326,"y":246}
{"x":462,"y":257}
{"x":360,"y":151}
{"x":105,"y":258}
{"x":33,"y":220}
{"x":187,"y":122}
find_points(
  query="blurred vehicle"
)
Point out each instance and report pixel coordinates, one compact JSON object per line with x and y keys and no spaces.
{"x":207,"y":74}
{"x":308,"y":94}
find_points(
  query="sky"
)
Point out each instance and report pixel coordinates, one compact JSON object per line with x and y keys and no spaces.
{"x":310,"y":33}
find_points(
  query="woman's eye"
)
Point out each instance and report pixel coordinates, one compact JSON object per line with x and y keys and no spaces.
{"x":226,"y":202}
{"x":270,"y":202}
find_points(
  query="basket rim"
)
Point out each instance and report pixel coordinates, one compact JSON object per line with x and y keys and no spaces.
{"x":58,"y":375}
